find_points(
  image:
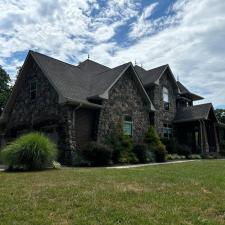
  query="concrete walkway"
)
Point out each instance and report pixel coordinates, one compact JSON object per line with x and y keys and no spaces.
{"x":150,"y":164}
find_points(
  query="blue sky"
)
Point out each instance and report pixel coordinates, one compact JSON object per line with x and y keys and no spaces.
{"x":186,"y":34}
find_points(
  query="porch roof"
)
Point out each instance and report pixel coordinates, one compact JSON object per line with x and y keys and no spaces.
{"x":193,"y":113}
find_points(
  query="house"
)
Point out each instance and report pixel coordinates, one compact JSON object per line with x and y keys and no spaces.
{"x":74,"y":105}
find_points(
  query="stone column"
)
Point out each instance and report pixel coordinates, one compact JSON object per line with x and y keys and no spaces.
{"x":204,"y":138}
{"x":216,"y":138}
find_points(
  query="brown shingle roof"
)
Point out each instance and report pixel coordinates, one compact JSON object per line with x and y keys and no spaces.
{"x":185,"y":92}
{"x":150,"y":76}
{"x":192,"y":113}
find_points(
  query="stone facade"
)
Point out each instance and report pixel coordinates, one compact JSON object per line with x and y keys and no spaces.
{"x":42,"y":114}
{"x":155,"y":93}
{"x":124,"y":99}
{"x":27,"y":113}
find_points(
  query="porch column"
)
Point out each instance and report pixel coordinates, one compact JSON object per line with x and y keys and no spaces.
{"x":204,"y":138}
{"x":216,"y":138}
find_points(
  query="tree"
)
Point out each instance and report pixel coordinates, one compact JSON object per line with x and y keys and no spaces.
{"x":220,"y":114}
{"x":5,"y":88}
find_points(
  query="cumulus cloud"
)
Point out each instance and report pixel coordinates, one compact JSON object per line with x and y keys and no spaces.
{"x":188,"y":35}
{"x":142,"y":26}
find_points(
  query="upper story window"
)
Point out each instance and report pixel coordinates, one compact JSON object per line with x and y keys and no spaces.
{"x":33,"y":90}
{"x":127,"y":125}
{"x":167,"y":131}
{"x":166,"y":102}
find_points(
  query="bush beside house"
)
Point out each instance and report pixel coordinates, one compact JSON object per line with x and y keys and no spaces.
{"x":97,"y":154}
{"x":122,"y":146}
{"x":32,"y":151}
{"x":155,"y":145}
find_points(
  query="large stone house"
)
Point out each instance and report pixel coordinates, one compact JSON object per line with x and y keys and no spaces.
{"x":74,"y":105}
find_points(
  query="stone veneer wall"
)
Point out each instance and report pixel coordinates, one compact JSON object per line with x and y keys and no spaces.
{"x":26,"y":111}
{"x":156,"y":95}
{"x":124,"y":98}
{"x":28,"y":115}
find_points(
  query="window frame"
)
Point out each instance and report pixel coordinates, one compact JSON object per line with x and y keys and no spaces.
{"x":167,"y":131}
{"x":128,"y":122}
{"x":166,"y":99}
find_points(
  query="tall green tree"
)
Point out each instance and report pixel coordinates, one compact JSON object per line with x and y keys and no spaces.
{"x":220,"y":114}
{"x":5,"y":88}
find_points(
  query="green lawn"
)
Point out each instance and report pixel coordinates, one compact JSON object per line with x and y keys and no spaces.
{"x":189,"y":193}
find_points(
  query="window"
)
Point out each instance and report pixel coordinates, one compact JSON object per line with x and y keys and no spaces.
{"x":167,"y":131}
{"x":127,"y":125}
{"x":33,"y":90}
{"x":166,"y":98}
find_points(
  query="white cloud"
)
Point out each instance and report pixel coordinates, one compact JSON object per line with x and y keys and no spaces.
{"x":142,"y":26}
{"x":189,"y":36}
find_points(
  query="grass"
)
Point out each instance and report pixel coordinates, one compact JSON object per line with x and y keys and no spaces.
{"x":190,"y":193}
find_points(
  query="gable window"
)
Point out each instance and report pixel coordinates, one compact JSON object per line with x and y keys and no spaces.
{"x":167,"y":131}
{"x":33,"y":90}
{"x":127,"y":125}
{"x":166,"y":103}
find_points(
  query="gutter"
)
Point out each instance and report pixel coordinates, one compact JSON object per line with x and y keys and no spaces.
{"x":87,"y":104}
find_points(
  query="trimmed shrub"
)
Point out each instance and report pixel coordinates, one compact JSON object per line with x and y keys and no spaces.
{"x":97,"y":154}
{"x":29,"y":152}
{"x":155,"y":145}
{"x":160,"y":153}
{"x":122,"y":146}
{"x":152,"y":138}
{"x":141,"y":152}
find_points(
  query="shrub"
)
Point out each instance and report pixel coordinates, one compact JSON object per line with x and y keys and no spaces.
{"x":222,"y":148}
{"x":194,"y":156}
{"x":155,"y":145}
{"x":79,"y":160}
{"x":97,"y":154}
{"x":122,"y":146}
{"x":175,"y":157}
{"x":160,"y":153}
{"x":171,"y":145}
{"x":183,"y":150}
{"x":141,"y":152}
{"x":29,"y":152}
{"x":210,"y":155}
{"x":152,"y":138}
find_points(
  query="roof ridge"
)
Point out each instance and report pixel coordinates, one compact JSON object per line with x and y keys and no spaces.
{"x":158,"y":67}
{"x":112,"y":68}
{"x":34,"y":52}
{"x":86,"y":60}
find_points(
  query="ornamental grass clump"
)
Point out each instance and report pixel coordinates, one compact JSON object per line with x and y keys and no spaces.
{"x":32,"y":151}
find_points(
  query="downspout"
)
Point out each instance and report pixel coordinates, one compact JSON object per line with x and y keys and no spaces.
{"x":74,"y":113}
{"x":72,"y":134}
